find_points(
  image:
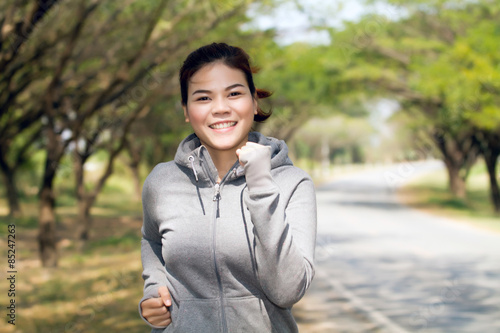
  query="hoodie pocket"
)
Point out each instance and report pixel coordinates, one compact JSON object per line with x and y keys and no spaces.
{"x":247,"y":314}
{"x":197,"y":315}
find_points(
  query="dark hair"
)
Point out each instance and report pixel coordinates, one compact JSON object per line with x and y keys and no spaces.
{"x":231,"y":56}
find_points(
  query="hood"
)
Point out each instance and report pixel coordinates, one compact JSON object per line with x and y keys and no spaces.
{"x":279,"y":149}
{"x":191,"y":154}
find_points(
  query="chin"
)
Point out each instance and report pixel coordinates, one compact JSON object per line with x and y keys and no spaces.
{"x":226,"y":147}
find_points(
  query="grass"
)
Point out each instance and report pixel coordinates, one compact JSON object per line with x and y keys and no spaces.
{"x":95,"y":288}
{"x":90,"y":293}
{"x":93,"y":291}
{"x":430,"y":193}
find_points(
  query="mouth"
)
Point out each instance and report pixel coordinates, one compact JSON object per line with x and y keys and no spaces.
{"x":222,"y":125}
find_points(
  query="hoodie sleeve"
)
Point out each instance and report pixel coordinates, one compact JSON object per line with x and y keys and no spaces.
{"x":153,"y":273}
{"x":285,"y":232}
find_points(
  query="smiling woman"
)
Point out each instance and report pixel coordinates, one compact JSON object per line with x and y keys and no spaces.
{"x":230,"y":225}
{"x":220,"y":108}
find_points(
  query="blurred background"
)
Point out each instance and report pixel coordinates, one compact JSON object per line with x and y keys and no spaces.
{"x":392,"y":106}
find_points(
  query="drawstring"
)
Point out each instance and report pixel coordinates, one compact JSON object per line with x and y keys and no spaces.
{"x":191,"y":159}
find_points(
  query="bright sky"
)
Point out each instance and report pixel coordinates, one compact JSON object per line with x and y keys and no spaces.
{"x":294,"y":24}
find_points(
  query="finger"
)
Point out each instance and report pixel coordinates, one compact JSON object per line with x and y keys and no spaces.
{"x":241,"y":150}
{"x":156,"y":312}
{"x":241,"y":155}
{"x":165,"y":295}
{"x":159,"y":321}
{"x":152,"y":303}
{"x":244,"y":149}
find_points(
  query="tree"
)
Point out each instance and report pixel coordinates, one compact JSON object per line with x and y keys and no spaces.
{"x":92,"y":62}
{"x":305,"y":84}
{"x":426,"y":59}
{"x":18,"y":129}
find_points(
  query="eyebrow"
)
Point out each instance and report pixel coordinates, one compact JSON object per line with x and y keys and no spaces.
{"x":203,"y":91}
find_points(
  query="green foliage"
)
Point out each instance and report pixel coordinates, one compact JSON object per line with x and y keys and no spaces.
{"x":440,"y":61}
{"x":307,"y":83}
{"x":453,"y":58}
{"x":429,"y":52}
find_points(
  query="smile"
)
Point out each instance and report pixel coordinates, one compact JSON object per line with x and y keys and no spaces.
{"x":223,"y":125}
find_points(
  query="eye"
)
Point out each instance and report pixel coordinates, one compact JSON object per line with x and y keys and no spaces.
{"x":204,"y":98}
{"x":234,"y":93}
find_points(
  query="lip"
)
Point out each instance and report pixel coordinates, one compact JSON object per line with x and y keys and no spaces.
{"x":223,"y":125}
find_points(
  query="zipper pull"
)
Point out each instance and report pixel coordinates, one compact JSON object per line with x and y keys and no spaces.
{"x":217,"y":192}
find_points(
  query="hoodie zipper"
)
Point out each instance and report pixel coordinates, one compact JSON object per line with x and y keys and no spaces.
{"x":216,"y":192}
{"x":216,"y":200}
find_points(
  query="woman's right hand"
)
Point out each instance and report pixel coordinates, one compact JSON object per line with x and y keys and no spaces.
{"x":155,"y":310}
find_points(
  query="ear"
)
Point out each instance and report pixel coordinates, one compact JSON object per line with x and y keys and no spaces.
{"x":186,"y":115}
{"x":255,"y":104}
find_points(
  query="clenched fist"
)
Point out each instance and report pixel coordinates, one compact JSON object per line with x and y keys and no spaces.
{"x":256,"y":159}
{"x":155,"y":310}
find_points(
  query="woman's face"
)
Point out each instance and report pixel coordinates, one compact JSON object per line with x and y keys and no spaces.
{"x":220,"y":107}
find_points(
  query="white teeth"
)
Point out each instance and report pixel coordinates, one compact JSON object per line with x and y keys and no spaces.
{"x":223,"y":125}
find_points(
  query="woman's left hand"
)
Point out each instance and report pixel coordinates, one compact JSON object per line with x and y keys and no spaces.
{"x":249,"y":151}
{"x":256,"y":159}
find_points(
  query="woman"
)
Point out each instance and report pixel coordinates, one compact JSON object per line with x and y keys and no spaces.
{"x":229,"y":225}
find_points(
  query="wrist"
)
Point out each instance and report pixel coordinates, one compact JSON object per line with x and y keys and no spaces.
{"x":258,"y":169}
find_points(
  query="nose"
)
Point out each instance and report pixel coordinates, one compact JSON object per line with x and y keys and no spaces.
{"x":220,"y":106}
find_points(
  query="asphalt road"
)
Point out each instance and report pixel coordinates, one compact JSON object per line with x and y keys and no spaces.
{"x":383,"y":267}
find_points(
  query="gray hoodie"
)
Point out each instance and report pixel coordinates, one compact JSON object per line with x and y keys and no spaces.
{"x":233,"y":259}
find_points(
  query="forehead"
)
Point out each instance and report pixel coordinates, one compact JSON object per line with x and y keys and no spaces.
{"x":217,"y":74}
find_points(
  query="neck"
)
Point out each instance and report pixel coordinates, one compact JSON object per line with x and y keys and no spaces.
{"x":223,"y":161}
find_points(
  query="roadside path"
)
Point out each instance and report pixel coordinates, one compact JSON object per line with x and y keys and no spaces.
{"x":384,"y":267}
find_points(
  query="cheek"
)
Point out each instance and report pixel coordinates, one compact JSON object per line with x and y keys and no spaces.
{"x":246,"y":108}
{"x":196,"y":116}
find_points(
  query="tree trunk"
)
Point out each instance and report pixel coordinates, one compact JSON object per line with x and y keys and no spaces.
{"x":84,"y":218}
{"x":87,"y":199}
{"x":491,"y":164}
{"x":459,"y":152}
{"x":11,"y":189}
{"x":9,"y":170}
{"x":456,"y":182}
{"x":47,"y":240}
{"x":490,"y":148}
{"x":135,"y":160}
{"x":84,"y":201}
{"x":47,"y":227}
